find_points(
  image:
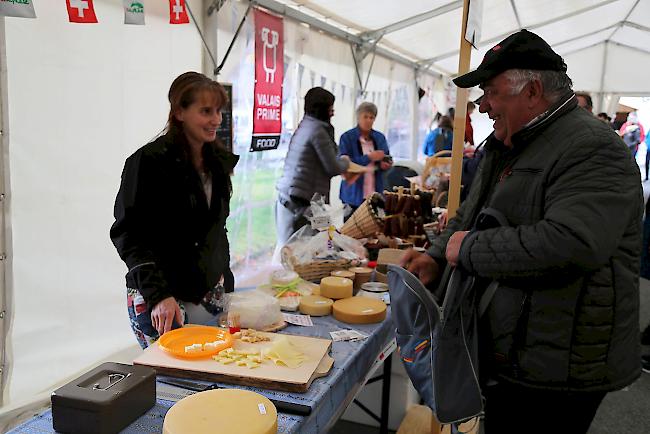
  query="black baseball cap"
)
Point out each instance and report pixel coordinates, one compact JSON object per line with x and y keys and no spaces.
{"x":521,"y":50}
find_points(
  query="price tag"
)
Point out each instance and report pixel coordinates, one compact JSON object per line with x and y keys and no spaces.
{"x":301,"y":320}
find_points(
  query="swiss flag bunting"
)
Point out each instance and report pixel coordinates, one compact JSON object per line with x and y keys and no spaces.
{"x":81,"y":11}
{"x":178,"y":12}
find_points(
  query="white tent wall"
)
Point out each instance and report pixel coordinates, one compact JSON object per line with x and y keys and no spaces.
{"x":81,"y":99}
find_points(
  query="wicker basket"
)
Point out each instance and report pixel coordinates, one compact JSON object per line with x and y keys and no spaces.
{"x":315,"y":270}
{"x":364,"y":222}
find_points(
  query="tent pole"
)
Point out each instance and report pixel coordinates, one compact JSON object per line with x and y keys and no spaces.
{"x":602,"y":77}
{"x":459,"y":120}
{"x":6,"y":274}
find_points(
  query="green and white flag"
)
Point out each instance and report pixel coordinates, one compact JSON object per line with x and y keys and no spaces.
{"x":17,"y":8}
{"x":133,"y":12}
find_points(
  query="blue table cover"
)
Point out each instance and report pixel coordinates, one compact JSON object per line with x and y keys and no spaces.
{"x":328,"y":396}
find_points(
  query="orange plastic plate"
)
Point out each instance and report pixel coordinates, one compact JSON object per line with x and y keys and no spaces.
{"x":175,"y":341}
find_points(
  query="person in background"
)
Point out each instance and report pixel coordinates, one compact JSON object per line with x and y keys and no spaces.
{"x":604,"y":117}
{"x":632,"y":133}
{"x":170,"y":215}
{"x":585,"y":101}
{"x":366,"y":147}
{"x":562,"y":328}
{"x":310,"y":164}
{"x":469,"y":131}
{"x":439,"y":139}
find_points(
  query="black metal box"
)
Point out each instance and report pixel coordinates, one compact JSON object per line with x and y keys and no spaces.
{"x":104,"y":400}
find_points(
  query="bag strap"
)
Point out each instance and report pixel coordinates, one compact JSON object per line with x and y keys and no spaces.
{"x":486,"y":298}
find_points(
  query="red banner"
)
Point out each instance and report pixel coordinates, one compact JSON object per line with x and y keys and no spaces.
{"x":81,"y":11}
{"x":269,"y":73}
{"x":178,"y":12}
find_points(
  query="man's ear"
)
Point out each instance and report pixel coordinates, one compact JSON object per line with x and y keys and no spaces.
{"x":535,"y":92}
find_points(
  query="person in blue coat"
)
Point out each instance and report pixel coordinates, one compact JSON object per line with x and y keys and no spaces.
{"x":366,"y":147}
{"x":439,"y":139}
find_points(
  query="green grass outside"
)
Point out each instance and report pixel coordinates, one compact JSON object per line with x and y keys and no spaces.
{"x":256,"y":190}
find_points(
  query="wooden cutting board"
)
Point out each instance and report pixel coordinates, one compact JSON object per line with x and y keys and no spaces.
{"x":267,"y":376}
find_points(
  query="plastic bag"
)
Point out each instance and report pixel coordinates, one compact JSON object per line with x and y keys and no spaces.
{"x":255,"y":309}
{"x":308,"y":245}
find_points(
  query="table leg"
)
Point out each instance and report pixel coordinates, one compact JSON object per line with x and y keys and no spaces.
{"x":385,"y":395}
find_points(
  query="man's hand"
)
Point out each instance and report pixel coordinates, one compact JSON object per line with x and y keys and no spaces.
{"x":350,"y":178}
{"x":163,"y":314}
{"x":442,"y":221}
{"x":421,"y":265}
{"x":453,"y":247}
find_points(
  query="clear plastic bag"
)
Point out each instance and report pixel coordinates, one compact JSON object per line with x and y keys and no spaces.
{"x":255,"y":309}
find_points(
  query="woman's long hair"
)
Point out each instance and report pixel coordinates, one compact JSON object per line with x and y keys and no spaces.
{"x":183,"y":92}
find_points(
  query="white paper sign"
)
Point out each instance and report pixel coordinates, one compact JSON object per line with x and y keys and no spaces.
{"x":297,"y":319}
{"x":474,"y":22}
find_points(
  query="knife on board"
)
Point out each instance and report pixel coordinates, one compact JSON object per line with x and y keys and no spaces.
{"x":286,"y":407}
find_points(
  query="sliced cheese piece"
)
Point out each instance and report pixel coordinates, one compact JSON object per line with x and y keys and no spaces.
{"x":315,"y":305}
{"x":343,"y":273}
{"x":336,"y":287}
{"x":282,"y":352}
{"x":223,"y":411}
{"x":359,"y":310}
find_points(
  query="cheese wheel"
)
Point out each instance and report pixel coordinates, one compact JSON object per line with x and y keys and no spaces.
{"x":335,"y":287}
{"x":343,"y":273}
{"x":359,"y":310}
{"x":315,"y":305}
{"x":361,"y":275}
{"x":360,"y":270}
{"x":283,"y":277}
{"x":222,"y":410}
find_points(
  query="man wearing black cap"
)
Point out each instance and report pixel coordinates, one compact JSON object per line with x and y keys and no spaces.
{"x":562,"y":328}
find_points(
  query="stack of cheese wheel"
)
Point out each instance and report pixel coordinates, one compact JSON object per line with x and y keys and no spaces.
{"x":361,"y":276}
{"x":231,"y":411}
{"x":335,"y":287}
{"x":315,"y":305}
{"x":343,"y":273}
{"x":359,"y":310}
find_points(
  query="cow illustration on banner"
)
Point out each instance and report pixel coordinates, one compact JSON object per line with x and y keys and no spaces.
{"x":269,"y":74}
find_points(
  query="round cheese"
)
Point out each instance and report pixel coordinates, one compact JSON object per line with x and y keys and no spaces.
{"x":361,"y":275}
{"x":315,"y":305}
{"x":283,"y":277}
{"x":360,"y":270}
{"x":335,"y":287}
{"x":231,"y":411}
{"x":359,"y":310}
{"x":343,"y":273}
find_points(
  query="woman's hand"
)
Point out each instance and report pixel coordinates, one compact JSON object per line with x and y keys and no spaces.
{"x":164,"y":313}
{"x":376,"y":155}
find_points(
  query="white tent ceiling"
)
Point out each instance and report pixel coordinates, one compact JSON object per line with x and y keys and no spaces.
{"x":605,"y":43}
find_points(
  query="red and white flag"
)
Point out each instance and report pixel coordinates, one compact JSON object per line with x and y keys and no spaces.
{"x":178,"y":12}
{"x":81,"y":11}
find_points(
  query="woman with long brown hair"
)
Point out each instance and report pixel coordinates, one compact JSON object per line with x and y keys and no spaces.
{"x":170,"y":215}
